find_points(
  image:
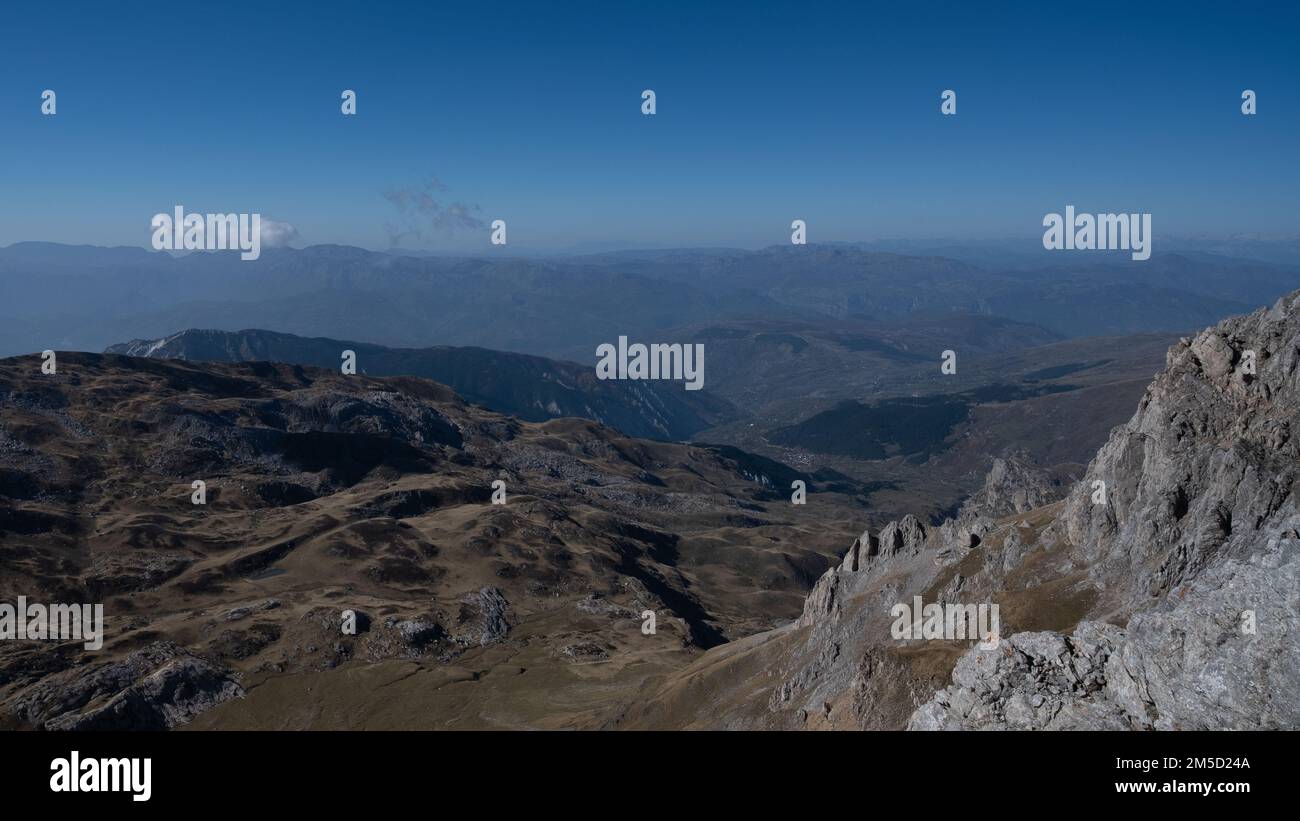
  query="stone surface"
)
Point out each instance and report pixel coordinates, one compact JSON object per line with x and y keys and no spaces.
{"x":157,"y":688}
{"x":1198,"y":538}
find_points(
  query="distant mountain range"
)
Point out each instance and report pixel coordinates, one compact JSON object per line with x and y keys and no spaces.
{"x":84,"y":298}
{"x":529,"y":387}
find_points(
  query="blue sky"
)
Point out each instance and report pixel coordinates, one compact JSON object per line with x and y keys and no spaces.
{"x":531,"y":112}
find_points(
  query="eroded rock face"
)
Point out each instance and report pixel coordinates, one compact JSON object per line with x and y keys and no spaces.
{"x":843,"y":673}
{"x":904,"y":537}
{"x":1191,"y":664}
{"x":1197,"y":536}
{"x":868,"y":556}
{"x":1033,"y":681}
{"x":1012,"y":485}
{"x":157,"y":688}
{"x":1208,"y":463}
{"x":484,"y":617}
{"x":1171,"y":598}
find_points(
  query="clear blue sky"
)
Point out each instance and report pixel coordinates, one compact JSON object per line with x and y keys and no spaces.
{"x":766,"y":112}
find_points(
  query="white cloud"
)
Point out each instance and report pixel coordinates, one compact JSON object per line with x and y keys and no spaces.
{"x":277,"y":234}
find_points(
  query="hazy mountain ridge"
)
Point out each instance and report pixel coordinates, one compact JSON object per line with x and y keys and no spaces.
{"x":529,"y":387}
{"x":64,"y":296}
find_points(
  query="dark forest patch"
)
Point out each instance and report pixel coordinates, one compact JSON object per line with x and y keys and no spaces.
{"x":914,"y":427}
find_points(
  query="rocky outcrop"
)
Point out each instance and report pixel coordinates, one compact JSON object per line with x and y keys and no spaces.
{"x":964,"y":534}
{"x":1163,"y":592}
{"x":841,"y":660}
{"x":484,"y":617}
{"x":1187,"y":521}
{"x":1033,"y":681}
{"x":1207,"y":467}
{"x":1221,"y":657}
{"x":1012,"y":485}
{"x":157,"y":688}
{"x":905,"y":537}
{"x":897,"y":541}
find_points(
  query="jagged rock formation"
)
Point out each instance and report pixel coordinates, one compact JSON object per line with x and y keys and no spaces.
{"x":1166,"y":598}
{"x":1013,"y":485}
{"x":1198,"y":537}
{"x":1187,"y":665}
{"x":156,"y":688}
{"x":484,"y":617}
{"x":1206,"y":469}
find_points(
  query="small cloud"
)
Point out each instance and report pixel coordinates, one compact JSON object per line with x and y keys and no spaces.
{"x":421,"y":213}
{"x":277,"y":234}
